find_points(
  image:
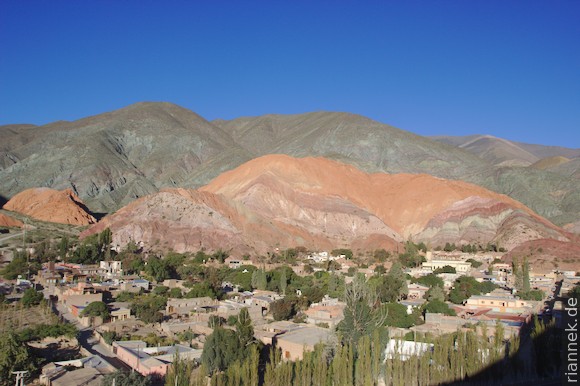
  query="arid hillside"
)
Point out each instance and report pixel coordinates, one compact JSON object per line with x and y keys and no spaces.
{"x":51,"y":205}
{"x":281,"y":201}
{"x":113,"y":158}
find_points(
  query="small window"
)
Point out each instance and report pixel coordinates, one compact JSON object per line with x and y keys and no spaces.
{"x":287,"y":355}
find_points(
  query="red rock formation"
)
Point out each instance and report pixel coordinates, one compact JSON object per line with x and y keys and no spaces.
{"x":51,"y":205}
{"x":280,"y":201}
{"x":9,"y":221}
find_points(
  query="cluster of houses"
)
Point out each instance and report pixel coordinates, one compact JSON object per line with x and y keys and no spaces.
{"x":71,"y":285}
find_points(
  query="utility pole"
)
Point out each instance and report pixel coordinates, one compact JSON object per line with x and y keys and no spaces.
{"x":19,"y":377}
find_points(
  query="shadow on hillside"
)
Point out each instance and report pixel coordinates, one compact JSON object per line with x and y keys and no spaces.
{"x":3,"y":200}
{"x":539,"y":361}
{"x":98,"y":215}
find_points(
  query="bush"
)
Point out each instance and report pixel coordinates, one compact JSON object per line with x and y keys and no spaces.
{"x":531,"y":295}
{"x":31,"y":298}
{"x":445,"y":269}
{"x":439,"y":307}
{"x":475,"y":263}
{"x":109,"y":336}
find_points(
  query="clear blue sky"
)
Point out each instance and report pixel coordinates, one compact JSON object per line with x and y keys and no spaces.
{"x":506,"y":68}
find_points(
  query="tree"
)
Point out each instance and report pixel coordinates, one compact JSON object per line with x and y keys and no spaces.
{"x":283,"y":309}
{"x":430,"y":280}
{"x":221,"y":348}
{"x":215,"y":321}
{"x":125,"y":378}
{"x":389,"y":288}
{"x":14,"y":356}
{"x":220,"y":255}
{"x":283,"y":282}
{"x":361,"y":314}
{"x":259,"y":279}
{"x":397,"y":316}
{"x":175,"y":293}
{"x":396,"y":272}
{"x":244,"y":328}
{"x":518,"y":275}
{"x":435,"y":293}
{"x":474,"y":263}
{"x":96,"y":309}
{"x":525,"y":275}
{"x":31,"y":297}
{"x":463,"y":288}
{"x":147,"y":308}
{"x":160,"y":290}
{"x":381,"y":255}
{"x":157,"y":269}
{"x":437,"y":306}
{"x":18,"y":266}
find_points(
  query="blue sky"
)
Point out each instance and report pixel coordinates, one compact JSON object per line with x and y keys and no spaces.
{"x":506,"y":68}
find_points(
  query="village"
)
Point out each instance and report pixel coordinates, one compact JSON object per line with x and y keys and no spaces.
{"x":131,"y":321}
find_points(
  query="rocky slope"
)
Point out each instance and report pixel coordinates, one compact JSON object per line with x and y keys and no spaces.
{"x":493,"y":163}
{"x":277,"y":200}
{"x":110,"y":159}
{"x":51,"y":205}
{"x":9,"y":221}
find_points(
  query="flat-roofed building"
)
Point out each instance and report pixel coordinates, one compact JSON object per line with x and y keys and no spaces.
{"x":294,"y":343}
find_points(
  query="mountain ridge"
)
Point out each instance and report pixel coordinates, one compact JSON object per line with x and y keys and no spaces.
{"x":111,"y":159}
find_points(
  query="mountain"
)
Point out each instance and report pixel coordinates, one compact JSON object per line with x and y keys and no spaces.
{"x":278,"y":200}
{"x":376,"y":147}
{"x":110,"y":159}
{"x":351,"y":138}
{"x":51,"y":205}
{"x":500,"y":151}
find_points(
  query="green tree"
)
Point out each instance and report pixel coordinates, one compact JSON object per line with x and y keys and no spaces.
{"x":429,"y":280}
{"x":175,"y":293}
{"x":396,"y":272}
{"x":14,"y":356}
{"x":397,"y":316}
{"x":31,"y":298}
{"x":474,"y":263}
{"x":18,"y":266}
{"x":221,"y":348}
{"x":463,"y":288}
{"x":435,"y":293}
{"x":96,"y":309}
{"x":381,"y":255}
{"x":437,"y":306}
{"x":125,"y":378}
{"x":160,"y":290}
{"x":259,"y":279}
{"x":526,"y":275}
{"x":283,"y":309}
{"x":283,"y":282}
{"x":157,"y":269}
{"x":220,"y":255}
{"x":362,"y":314}
{"x":244,"y":329}
{"x":518,"y":275}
